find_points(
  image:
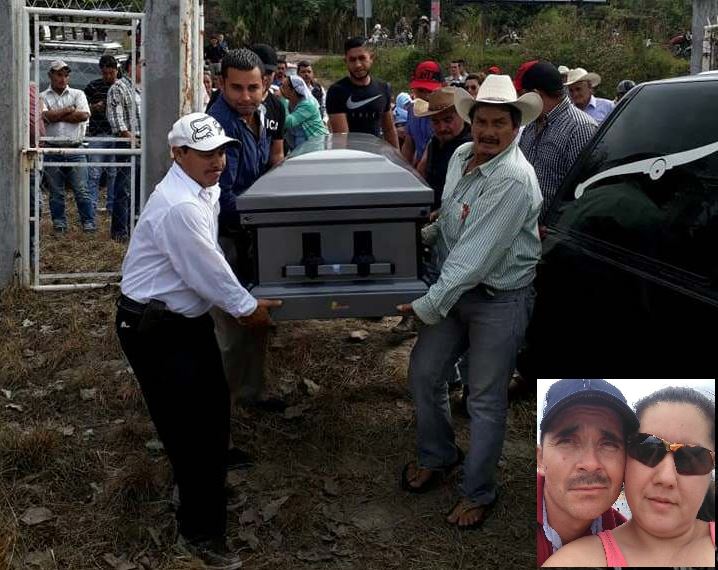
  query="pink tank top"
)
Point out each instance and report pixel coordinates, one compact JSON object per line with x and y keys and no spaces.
{"x":614,"y":556}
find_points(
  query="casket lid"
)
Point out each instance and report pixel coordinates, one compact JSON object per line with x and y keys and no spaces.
{"x":338,"y":171}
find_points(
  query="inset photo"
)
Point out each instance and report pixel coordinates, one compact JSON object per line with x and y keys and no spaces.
{"x":625,"y":473}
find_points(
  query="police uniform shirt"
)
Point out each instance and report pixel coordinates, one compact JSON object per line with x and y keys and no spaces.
{"x":364,"y":105}
{"x":174,"y":256}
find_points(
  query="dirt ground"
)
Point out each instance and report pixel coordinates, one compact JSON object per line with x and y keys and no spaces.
{"x":75,"y":439}
{"x":84,"y":483}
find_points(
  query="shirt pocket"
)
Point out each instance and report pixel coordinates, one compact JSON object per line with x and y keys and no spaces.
{"x":454,"y":212}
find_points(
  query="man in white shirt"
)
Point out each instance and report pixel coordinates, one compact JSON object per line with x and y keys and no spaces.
{"x":66,"y":114}
{"x":173,"y":273}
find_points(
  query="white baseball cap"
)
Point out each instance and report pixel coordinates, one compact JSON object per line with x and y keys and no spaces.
{"x":198,"y":131}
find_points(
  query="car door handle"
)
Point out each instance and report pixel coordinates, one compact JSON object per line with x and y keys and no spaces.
{"x":654,"y":167}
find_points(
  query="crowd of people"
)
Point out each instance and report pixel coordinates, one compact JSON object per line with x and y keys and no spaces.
{"x":493,"y":148}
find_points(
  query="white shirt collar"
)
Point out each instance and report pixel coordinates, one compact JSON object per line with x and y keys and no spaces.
{"x":64,"y":91}
{"x":211,"y":191}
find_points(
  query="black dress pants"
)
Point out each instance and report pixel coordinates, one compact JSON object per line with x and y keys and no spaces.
{"x":179,"y":369}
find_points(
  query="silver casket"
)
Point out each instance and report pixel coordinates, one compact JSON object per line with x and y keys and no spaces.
{"x":336,"y":230}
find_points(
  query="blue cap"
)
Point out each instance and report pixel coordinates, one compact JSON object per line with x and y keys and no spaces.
{"x":571,"y":392}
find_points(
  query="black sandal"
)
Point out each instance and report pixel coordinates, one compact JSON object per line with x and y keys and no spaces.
{"x":435,"y":479}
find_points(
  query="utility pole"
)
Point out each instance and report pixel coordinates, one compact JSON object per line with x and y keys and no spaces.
{"x":11,"y":129}
{"x":435,"y":19}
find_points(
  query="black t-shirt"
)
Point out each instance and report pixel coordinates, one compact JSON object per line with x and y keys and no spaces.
{"x":437,"y":161}
{"x":274,"y":117}
{"x":363,"y":105}
{"x":96,"y":91}
{"x":214,"y":53}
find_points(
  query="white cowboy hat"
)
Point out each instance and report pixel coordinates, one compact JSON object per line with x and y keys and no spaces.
{"x":580,"y":74}
{"x":499,"y":90}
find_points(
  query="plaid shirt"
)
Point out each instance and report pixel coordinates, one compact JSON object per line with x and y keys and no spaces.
{"x":552,"y":145}
{"x":120,"y":113}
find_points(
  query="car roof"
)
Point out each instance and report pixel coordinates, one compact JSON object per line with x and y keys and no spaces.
{"x":685,"y":79}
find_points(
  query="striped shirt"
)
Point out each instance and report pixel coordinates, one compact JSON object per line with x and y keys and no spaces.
{"x":124,"y":107}
{"x":35,"y":113}
{"x":553,"y":143}
{"x":486,"y":232}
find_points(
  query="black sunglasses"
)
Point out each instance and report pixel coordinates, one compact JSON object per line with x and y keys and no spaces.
{"x":690,"y":459}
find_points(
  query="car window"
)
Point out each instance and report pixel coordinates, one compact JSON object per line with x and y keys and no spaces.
{"x":84,"y":69}
{"x":650,"y":185}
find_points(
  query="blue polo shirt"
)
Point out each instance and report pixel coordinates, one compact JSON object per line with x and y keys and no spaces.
{"x":245,"y":163}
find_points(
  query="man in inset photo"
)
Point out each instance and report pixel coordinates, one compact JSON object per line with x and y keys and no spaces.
{"x":580,"y":461}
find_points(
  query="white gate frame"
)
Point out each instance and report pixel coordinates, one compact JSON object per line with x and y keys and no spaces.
{"x":32,"y":157}
{"x":709,"y":57}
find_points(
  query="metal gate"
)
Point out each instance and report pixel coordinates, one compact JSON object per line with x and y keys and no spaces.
{"x":94,"y":259}
{"x":710,"y":48}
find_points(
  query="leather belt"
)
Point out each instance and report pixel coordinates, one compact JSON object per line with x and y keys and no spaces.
{"x":130,"y":305}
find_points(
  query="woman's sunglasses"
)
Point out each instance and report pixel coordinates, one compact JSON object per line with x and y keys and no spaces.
{"x":690,"y":459}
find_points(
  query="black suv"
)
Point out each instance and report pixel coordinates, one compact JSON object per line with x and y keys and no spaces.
{"x":628,"y":283}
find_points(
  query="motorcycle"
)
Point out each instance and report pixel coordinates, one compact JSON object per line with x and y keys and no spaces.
{"x":682,"y":44}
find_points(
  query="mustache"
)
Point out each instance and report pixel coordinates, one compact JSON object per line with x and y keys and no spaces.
{"x":489,"y":140}
{"x":588,"y":479}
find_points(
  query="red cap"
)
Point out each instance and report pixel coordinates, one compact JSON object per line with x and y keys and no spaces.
{"x":523,"y":68}
{"x":494,"y":70}
{"x":427,"y":75}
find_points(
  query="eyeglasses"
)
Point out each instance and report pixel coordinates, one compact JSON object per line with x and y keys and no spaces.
{"x":651,"y":449}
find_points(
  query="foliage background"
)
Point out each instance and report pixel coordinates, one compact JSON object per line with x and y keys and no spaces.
{"x":324,"y":24}
{"x":609,"y":40}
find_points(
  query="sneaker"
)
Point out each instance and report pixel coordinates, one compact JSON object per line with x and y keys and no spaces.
{"x":59,"y":230}
{"x":89,"y":227}
{"x":213,"y":553}
{"x":238,"y":459}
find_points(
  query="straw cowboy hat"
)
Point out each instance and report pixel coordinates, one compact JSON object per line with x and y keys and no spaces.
{"x":580,"y":74}
{"x":439,"y":100}
{"x":499,"y":90}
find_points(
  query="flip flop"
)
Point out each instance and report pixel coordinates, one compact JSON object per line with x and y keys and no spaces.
{"x":436,"y":477}
{"x":467,"y":507}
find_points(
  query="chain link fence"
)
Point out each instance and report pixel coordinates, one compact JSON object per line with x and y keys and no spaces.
{"x":110,"y":5}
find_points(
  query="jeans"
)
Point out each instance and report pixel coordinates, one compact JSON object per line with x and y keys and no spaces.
{"x":460,"y":371}
{"x":491,"y":327}
{"x":179,"y":369}
{"x":120,"y":224}
{"x":94,"y":173}
{"x":57,"y":178}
